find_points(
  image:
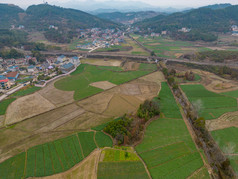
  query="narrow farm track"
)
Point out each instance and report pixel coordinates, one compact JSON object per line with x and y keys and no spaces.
{"x":196,"y":172}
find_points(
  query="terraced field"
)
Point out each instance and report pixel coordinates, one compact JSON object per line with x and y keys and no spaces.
{"x":118,"y":163}
{"x":53,"y":157}
{"x":210,"y":105}
{"x":80,"y":80}
{"x":167,"y":148}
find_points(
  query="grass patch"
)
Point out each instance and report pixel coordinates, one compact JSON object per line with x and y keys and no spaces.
{"x":168,"y":150}
{"x":168,"y":105}
{"x":4,"y":105}
{"x":103,"y":140}
{"x":146,"y":66}
{"x":233,"y":94}
{"x":112,"y":155}
{"x":227,"y":141}
{"x":210,"y":105}
{"x":80,"y":80}
{"x":26,"y":91}
{"x":125,"y":170}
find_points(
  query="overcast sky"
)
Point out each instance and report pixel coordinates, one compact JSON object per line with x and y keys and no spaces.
{"x":159,"y":3}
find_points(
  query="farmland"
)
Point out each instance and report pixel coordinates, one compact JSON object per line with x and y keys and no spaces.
{"x":168,"y":105}
{"x":4,"y":104}
{"x":210,"y":105}
{"x":118,"y":163}
{"x":167,"y":148}
{"x":227,"y":140}
{"x":165,"y":47}
{"x":53,"y":157}
{"x":26,"y":91}
{"x":80,"y":80}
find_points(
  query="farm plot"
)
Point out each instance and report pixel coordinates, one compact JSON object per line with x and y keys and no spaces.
{"x":233,"y":94}
{"x":210,"y":105}
{"x":227,"y":140}
{"x":26,"y":91}
{"x":4,"y":105}
{"x":103,"y":140}
{"x":80,"y":80}
{"x":53,"y":157}
{"x":117,"y":163}
{"x":164,"y":47}
{"x":168,"y":150}
{"x":167,"y":102}
{"x":103,"y":63}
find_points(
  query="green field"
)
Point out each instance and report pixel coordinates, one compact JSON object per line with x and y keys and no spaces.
{"x":28,"y":90}
{"x":145,"y":66}
{"x":80,"y":80}
{"x":119,"y":163}
{"x":227,"y":139}
{"x":233,"y":94}
{"x":166,"y":47}
{"x":167,"y":148}
{"x":4,"y":104}
{"x":167,"y":102}
{"x":53,"y":157}
{"x":103,"y":140}
{"x":210,"y":105}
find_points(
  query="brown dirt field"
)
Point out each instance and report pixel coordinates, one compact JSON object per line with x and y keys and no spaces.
{"x":121,"y":104}
{"x":156,"y":77}
{"x":215,"y":83}
{"x":131,"y":66}
{"x":177,"y":55}
{"x":97,"y":103}
{"x":130,"y":89}
{"x":56,"y":96}
{"x":103,"y":85}
{"x":2,"y":120}
{"x":152,"y":44}
{"x":101,"y":62}
{"x":26,"y":107}
{"x":225,"y":121}
{"x":83,"y":170}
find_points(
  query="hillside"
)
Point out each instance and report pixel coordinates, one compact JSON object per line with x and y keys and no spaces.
{"x":203,"y":19}
{"x":127,"y":18}
{"x":9,"y":14}
{"x":41,"y":16}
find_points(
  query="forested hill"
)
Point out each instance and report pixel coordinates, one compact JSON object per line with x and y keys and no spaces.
{"x":202,"y":19}
{"x":41,"y":16}
{"x":125,"y":18}
{"x":9,"y":14}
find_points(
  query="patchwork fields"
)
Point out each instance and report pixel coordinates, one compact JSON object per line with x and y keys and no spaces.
{"x":210,"y":105}
{"x":167,"y":148}
{"x":164,"y":47}
{"x":80,"y":80}
{"x":54,"y":157}
{"x":119,"y":163}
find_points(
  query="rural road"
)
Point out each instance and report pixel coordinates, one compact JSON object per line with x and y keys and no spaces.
{"x":13,"y":91}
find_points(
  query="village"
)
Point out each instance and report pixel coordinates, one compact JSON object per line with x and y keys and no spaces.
{"x":22,"y":71}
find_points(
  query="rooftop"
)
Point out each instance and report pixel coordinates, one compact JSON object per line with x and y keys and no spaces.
{"x":12,"y":74}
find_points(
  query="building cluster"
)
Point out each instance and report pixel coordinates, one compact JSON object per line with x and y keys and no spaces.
{"x":13,"y":71}
{"x":100,"y":38}
{"x":234,"y":29}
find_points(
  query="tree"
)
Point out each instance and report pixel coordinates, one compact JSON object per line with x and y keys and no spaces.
{"x":152,"y":53}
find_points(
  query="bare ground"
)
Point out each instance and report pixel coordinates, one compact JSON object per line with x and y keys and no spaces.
{"x":56,"y":96}
{"x":225,"y":121}
{"x":83,"y":170}
{"x":103,"y":85}
{"x":26,"y":107}
{"x":101,"y":62}
{"x":131,"y":66}
{"x":2,"y":117}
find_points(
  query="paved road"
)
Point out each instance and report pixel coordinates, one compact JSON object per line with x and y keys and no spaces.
{"x":13,"y":91}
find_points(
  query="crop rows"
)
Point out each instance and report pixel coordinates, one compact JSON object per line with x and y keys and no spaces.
{"x":53,"y":157}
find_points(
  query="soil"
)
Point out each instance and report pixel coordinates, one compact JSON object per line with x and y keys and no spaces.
{"x":2,"y":117}
{"x":103,"y":85}
{"x":225,"y":121}
{"x":56,"y":96}
{"x":131,"y":66}
{"x":101,"y":62}
{"x":26,"y":107}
